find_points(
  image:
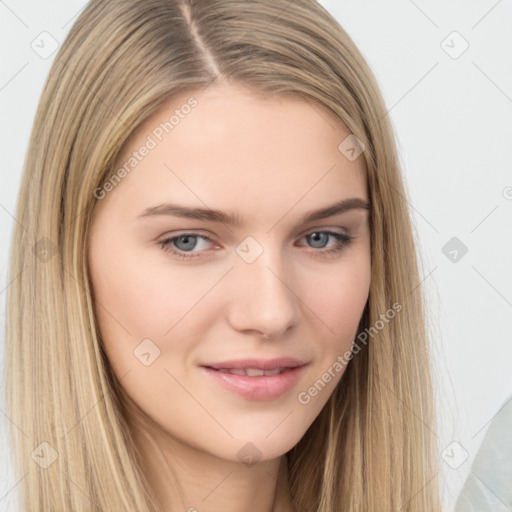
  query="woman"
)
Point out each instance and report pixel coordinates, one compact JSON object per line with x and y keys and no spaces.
{"x":222,"y":279}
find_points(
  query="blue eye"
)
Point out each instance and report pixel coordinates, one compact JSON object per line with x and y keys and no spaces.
{"x":187,"y":241}
{"x":342,"y":241}
{"x":183,"y":246}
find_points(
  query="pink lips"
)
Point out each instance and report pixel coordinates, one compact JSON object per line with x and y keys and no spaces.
{"x":255,"y":386}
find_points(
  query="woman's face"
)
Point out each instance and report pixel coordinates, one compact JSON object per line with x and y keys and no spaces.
{"x":212,"y":237}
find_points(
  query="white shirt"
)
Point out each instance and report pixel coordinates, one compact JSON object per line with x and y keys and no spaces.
{"x":488,"y":487}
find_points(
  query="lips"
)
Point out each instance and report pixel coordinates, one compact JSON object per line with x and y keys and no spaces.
{"x":257,"y":379}
{"x":257,"y":364}
{"x":251,"y":372}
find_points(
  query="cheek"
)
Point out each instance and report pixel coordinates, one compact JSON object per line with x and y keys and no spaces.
{"x":338,"y":301}
{"x":348,"y":305}
{"x":140,"y":297}
{"x":339,"y":296}
{"x":143,"y":296}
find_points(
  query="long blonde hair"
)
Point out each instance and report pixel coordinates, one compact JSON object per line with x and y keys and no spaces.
{"x":371,"y":448}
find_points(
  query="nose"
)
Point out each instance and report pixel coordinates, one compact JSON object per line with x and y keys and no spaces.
{"x":262,"y":298}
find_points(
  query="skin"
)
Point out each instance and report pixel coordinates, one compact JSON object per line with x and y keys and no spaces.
{"x":270,"y":160}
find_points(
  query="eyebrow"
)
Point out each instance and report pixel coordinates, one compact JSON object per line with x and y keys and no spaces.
{"x":208,"y":214}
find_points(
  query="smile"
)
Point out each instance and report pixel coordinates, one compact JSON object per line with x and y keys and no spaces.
{"x":251,"y":372}
{"x":256,"y":383}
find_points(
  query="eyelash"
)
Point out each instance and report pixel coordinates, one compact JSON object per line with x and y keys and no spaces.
{"x":343,"y":241}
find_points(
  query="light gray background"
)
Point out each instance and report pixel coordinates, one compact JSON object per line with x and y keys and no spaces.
{"x":452,"y":116}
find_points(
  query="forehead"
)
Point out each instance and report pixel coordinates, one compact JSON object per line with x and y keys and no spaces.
{"x":234,"y":113}
{"x":230,"y":144}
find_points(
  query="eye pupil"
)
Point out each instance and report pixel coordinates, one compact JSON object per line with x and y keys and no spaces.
{"x":189,"y":245}
{"x":319,"y":237}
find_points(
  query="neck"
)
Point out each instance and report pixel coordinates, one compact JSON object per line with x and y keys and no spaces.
{"x":189,"y":479}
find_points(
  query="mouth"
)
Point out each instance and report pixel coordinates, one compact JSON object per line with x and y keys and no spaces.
{"x":279,"y":363}
{"x":257,"y":379}
{"x":251,"y":372}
